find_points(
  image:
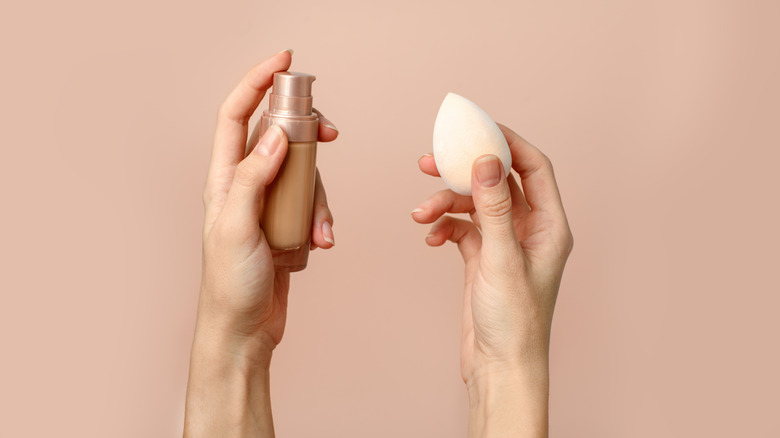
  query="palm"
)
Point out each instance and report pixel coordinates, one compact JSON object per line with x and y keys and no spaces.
{"x":265,"y":297}
{"x":276,"y":307}
{"x":467,"y":345}
{"x":481,"y":304}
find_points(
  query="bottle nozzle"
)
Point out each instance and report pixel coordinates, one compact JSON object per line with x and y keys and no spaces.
{"x":291,"y":95}
{"x":293,"y":84}
{"x":290,"y":106}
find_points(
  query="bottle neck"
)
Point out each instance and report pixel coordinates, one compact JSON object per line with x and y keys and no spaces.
{"x":289,"y":106}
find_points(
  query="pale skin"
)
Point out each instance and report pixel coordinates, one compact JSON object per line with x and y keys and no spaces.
{"x":514,"y":247}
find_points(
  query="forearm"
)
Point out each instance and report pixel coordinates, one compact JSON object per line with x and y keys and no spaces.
{"x":228,"y":393}
{"x":510,"y":404}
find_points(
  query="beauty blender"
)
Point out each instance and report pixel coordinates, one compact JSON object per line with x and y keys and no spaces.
{"x":462,"y":133}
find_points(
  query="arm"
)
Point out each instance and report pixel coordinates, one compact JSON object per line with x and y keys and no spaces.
{"x":242,"y":308}
{"x":514,"y":247}
{"x":509,"y":404}
{"x":228,"y":392}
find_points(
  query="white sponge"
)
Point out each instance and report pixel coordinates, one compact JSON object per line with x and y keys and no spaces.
{"x":462,"y":133}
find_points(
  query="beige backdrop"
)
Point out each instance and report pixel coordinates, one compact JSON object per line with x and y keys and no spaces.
{"x":661,"y":119}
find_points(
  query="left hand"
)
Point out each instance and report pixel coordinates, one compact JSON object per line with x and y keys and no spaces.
{"x":515,"y":248}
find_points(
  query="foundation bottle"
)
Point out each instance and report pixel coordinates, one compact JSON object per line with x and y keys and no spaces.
{"x":289,"y":200}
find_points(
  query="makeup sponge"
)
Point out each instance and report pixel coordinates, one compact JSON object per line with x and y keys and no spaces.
{"x":462,"y":133}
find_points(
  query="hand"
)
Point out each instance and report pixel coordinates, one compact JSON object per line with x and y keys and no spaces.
{"x":243,"y":301}
{"x":240,"y":288}
{"x":514,"y":248}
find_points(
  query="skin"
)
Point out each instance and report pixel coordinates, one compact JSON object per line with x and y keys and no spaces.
{"x":514,"y":248}
{"x":242,"y":306}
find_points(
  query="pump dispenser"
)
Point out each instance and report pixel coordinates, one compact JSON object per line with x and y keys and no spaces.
{"x":289,"y":200}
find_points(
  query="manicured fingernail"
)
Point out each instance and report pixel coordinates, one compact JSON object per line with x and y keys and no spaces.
{"x":292,"y":52}
{"x":327,"y":233}
{"x":488,"y":171}
{"x":417,"y":210}
{"x":327,"y":123}
{"x":269,"y":142}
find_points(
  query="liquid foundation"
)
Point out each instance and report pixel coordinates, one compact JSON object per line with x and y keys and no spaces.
{"x":289,"y":200}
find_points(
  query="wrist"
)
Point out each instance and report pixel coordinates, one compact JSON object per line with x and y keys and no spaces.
{"x":222,"y":331}
{"x":216,"y":343}
{"x":229,"y":387}
{"x":509,"y":401}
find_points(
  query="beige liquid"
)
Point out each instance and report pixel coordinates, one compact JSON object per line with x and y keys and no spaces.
{"x":289,"y":200}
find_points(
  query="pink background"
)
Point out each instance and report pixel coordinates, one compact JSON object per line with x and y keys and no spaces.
{"x":661,"y":119}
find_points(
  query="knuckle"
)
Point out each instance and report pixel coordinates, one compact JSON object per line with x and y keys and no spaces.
{"x":226,"y":111}
{"x":246,"y":175}
{"x":547,"y":162}
{"x":225,"y":233}
{"x":218,"y":232}
{"x":541,"y":163}
{"x":443,"y":194}
{"x":496,"y":206}
{"x":222,"y":111}
{"x":322,"y":208}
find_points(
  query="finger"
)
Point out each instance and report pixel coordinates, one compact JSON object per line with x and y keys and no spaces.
{"x":520,"y":208}
{"x":322,"y":222}
{"x":519,"y":204}
{"x":253,"y":174}
{"x":445,"y":201}
{"x":327,"y":130}
{"x":493,"y":202}
{"x":253,"y":138}
{"x":536,"y":174}
{"x":459,"y":231}
{"x":427,"y":164}
{"x":230,"y":138}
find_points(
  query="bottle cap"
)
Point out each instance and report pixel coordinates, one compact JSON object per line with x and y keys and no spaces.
{"x":294,"y":84}
{"x":291,"y":95}
{"x":290,"y":106}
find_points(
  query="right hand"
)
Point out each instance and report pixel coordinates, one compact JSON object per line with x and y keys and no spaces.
{"x":514,"y":248}
{"x":243,"y":298}
{"x":242,"y":310}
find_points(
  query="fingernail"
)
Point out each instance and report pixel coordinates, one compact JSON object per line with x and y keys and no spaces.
{"x":327,"y":233}
{"x":269,"y":142}
{"x":488,"y":171}
{"x":417,"y":210}
{"x":292,"y":52}
{"x":327,"y":123}
{"x":423,"y":156}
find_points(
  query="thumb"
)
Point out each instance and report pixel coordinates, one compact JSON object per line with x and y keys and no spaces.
{"x":252,"y":175}
{"x":493,"y":202}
